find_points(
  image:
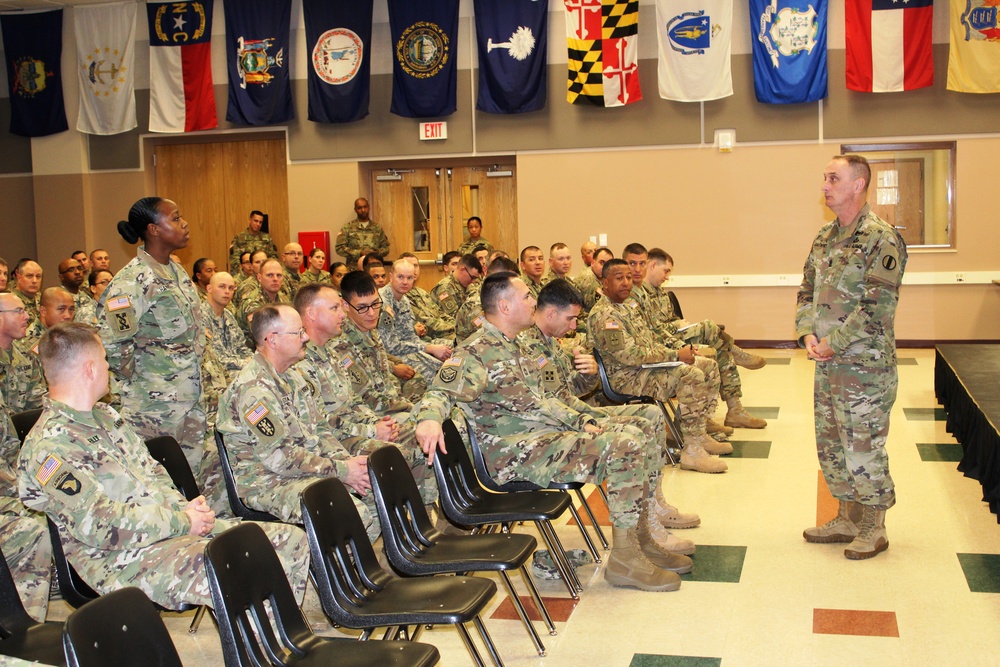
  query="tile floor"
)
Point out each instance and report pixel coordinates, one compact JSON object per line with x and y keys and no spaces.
{"x":759,"y":594}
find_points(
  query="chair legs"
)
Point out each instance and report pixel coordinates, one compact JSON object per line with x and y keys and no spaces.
{"x":585,"y":534}
{"x":519,"y":607}
{"x":199,"y":614}
{"x":558,"y":552}
{"x":673,"y":424}
{"x":488,"y":641}
{"x":593,"y":519}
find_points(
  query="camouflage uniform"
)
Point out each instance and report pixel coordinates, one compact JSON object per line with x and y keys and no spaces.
{"x":620,"y":334}
{"x":449,"y":295}
{"x":533,"y":287}
{"x":247,"y":241}
{"x":427,"y":312}
{"x":226,"y":340}
{"x":849,"y":292}
{"x":469,"y":245}
{"x":278,"y":441}
{"x":23,"y":533}
{"x":253,"y":299}
{"x":529,"y":435}
{"x":22,"y":383}
{"x":469,"y":318}
{"x":396,"y":328}
{"x":120,"y":518}
{"x":86,"y":311}
{"x":291,"y":281}
{"x":357,"y":235}
{"x":364,"y":358}
{"x":149,"y":323}
{"x":308,"y":276}
{"x":30,"y":304}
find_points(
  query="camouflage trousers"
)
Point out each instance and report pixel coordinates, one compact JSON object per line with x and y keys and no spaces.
{"x":708,"y":333}
{"x":414,"y":388}
{"x":285,"y":502}
{"x":185,"y":422}
{"x":26,"y":548}
{"x":425,"y":364}
{"x":695,"y":386}
{"x":852,"y":405}
{"x":407,"y":444}
{"x":172,"y":572}
{"x":650,"y":420}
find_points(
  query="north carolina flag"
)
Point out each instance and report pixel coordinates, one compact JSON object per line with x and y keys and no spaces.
{"x":602,"y":41}
{"x":181,"y":97}
{"x":789,"y":50}
{"x":695,"y":44}
{"x":105,"y":44}
{"x":974,"y":53}
{"x":889,"y":45}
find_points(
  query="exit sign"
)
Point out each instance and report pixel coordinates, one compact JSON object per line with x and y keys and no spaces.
{"x":433,"y":131}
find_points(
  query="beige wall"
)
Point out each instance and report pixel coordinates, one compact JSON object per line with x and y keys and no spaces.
{"x":17,"y":218}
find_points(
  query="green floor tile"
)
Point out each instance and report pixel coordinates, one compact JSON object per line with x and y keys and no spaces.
{"x":906,"y":361}
{"x":982,"y":572}
{"x":779,"y":361}
{"x":762,"y":412}
{"x":949,"y":452}
{"x":925,"y":414}
{"x":750,"y":449}
{"x":713,"y":562}
{"x":648,"y":660}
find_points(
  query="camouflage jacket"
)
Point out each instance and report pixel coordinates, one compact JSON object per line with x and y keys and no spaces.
{"x":247,"y":241}
{"x":427,"y":312}
{"x":10,"y":502}
{"x":396,"y":325}
{"x":559,"y":376}
{"x":364,"y":358}
{"x":308,"y":276}
{"x":226,"y":340}
{"x":620,"y":333}
{"x":22,"y":383}
{"x":850,"y":289}
{"x":660,"y":310}
{"x":469,"y":317}
{"x":86,"y":312}
{"x":30,"y":304}
{"x":533,"y":287}
{"x":449,"y":295}
{"x":468,"y":246}
{"x":356,"y":239}
{"x":253,"y":299}
{"x":346,"y":413}
{"x":291,"y":282}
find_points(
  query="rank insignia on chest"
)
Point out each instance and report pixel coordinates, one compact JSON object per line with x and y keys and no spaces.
{"x":68,"y":484}
{"x":93,"y":439}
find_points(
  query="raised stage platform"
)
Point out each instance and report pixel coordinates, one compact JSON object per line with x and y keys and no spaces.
{"x":967,"y":383}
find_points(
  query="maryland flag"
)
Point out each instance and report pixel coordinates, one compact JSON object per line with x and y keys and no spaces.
{"x":602,"y":37}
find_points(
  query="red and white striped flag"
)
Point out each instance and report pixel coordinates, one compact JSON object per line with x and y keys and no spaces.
{"x":889,"y":46}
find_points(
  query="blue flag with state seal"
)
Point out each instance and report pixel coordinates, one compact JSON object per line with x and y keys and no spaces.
{"x":338,"y":42}
{"x":424,"y":36}
{"x":32,"y":52}
{"x":511,"y":36}
{"x":257,"y":53}
{"x":789,"y":50}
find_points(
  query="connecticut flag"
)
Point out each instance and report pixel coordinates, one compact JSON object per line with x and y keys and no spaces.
{"x":889,"y":45}
{"x":602,"y":39}
{"x":789,"y":50}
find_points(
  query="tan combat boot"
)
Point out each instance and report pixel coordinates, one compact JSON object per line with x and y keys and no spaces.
{"x":711,"y":445}
{"x":659,"y":552}
{"x":668,"y":515}
{"x":627,"y":566}
{"x":738,"y":417}
{"x":841,"y":528}
{"x":747,"y":360}
{"x":871,"y":539}
{"x":712,"y":426}
{"x":694,"y":457}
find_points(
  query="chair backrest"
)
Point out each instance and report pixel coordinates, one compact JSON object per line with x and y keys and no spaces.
{"x":243,"y":572}
{"x":24,"y":421}
{"x":483,"y":472}
{"x":168,"y":452}
{"x":609,"y":391}
{"x":406,"y":529}
{"x":13,"y":617}
{"x":344,"y":564}
{"x":120,"y":629}
{"x":75,"y":591}
{"x":675,"y":304}
{"x":236,"y":503}
{"x":458,"y":486}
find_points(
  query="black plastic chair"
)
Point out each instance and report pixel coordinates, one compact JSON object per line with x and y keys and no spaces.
{"x":667,"y":407}
{"x":120,"y":629}
{"x":243,"y":573}
{"x":75,"y":591}
{"x":675,"y":304}
{"x":357,"y":593}
{"x":466,"y":502}
{"x":416,"y":548}
{"x":236,"y":503}
{"x":22,"y":636}
{"x":24,"y":421}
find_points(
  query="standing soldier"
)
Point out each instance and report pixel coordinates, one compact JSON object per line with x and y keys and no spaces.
{"x":845,"y":321}
{"x":361,"y":236}
{"x":250,"y":240}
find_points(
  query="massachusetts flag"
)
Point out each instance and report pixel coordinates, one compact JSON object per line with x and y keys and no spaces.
{"x":424,"y":37}
{"x":338,"y":42}
{"x":260,"y":90}
{"x":694,"y":39}
{"x":105,"y":44}
{"x":974,"y":53}
{"x":889,"y":46}
{"x":32,"y":49}
{"x":181,"y":98}
{"x":789,"y":50}
{"x":602,"y":38}
{"x":511,"y":36}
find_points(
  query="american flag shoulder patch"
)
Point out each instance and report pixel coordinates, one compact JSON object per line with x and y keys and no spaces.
{"x":118,"y":303}
{"x":48,"y":469}
{"x":258,"y":413}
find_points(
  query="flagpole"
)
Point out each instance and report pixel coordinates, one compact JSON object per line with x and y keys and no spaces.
{"x":472,"y":74}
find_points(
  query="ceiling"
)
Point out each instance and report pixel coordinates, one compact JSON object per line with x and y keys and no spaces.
{"x":14,"y":5}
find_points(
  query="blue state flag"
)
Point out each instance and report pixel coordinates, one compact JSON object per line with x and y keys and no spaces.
{"x":424,"y":37}
{"x":32,"y":49}
{"x":789,"y":50}
{"x":257,"y":53}
{"x":338,"y":39}
{"x":511,"y":36}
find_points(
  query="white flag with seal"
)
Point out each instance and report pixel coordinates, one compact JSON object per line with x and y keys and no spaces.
{"x":105,"y":43}
{"x":695,"y":44}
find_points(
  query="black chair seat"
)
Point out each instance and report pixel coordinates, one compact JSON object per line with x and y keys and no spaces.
{"x":327,"y":651}
{"x":39,"y":643}
{"x":494,"y":552}
{"x":425,"y":601}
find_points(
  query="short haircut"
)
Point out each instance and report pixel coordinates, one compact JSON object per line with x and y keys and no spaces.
{"x":199,"y":264}
{"x":598,"y":251}
{"x":49,"y":294}
{"x":476,"y":218}
{"x":496,"y":287}
{"x":356,"y":284}
{"x":77,"y":252}
{"x":370,"y":259}
{"x":401,"y":261}
{"x":95,"y":276}
{"x":307,"y":295}
{"x":256,"y":212}
{"x":61,"y":346}
{"x":20,"y":265}
{"x":471,"y":262}
{"x":270,"y":260}
{"x":858,"y":165}
{"x":660,"y":255}
{"x":559,"y":293}
{"x":450,"y":255}
{"x":635,"y":249}
{"x":407,"y":255}
{"x":557,"y":246}
{"x":610,"y":264}
{"x":264,"y":321}
{"x":501,"y":264}
{"x":525,"y":250}
{"x":480,"y":247}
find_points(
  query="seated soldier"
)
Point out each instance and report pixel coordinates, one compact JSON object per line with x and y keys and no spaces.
{"x":560,"y":263}
{"x":121,"y":521}
{"x":276,"y":437}
{"x":619,"y":332}
{"x":527,"y":435}
{"x":432,"y":324}
{"x":291,"y":258}
{"x":22,"y":385}
{"x":396,"y":324}
{"x":589,"y":282}
{"x":470,"y":316}
{"x":251,"y":282}
{"x":451,"y":291}
{"x":221,"y":328}
{"x":270,"y":289}
{"x":532,"y":268}
{"x":86,"y":309}
{"x":374,"y":266}
{"x":56,"y":305}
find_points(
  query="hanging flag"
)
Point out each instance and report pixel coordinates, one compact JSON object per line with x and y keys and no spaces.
{"x":889,"y":46}
{"x":105,"y":44}
{"x":789,"y":50}
{"x":424,"y":35}
{"x":602,"y":37}
{"x":694,"y":39}
{"x":511,"y":36}
{"x":181,"y":96}
{"x":974,"y":54}
{"x":338,"y":39}
{"x":260,"y":90}
{"x":32,"y":49}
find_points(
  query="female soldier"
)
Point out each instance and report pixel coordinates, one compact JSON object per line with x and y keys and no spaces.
{"x":314,"y":273}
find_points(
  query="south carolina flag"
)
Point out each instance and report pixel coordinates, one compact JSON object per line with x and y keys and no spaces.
{"x":512,"y":40}
{"x":105,"y":44}
{"x":694,"y":39}
{"x":889,"y":46}
{"x":974,"y":54}
{"x":181,"y":98}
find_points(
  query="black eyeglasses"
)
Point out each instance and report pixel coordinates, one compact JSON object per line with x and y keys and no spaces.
{"x":361,"y":310}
